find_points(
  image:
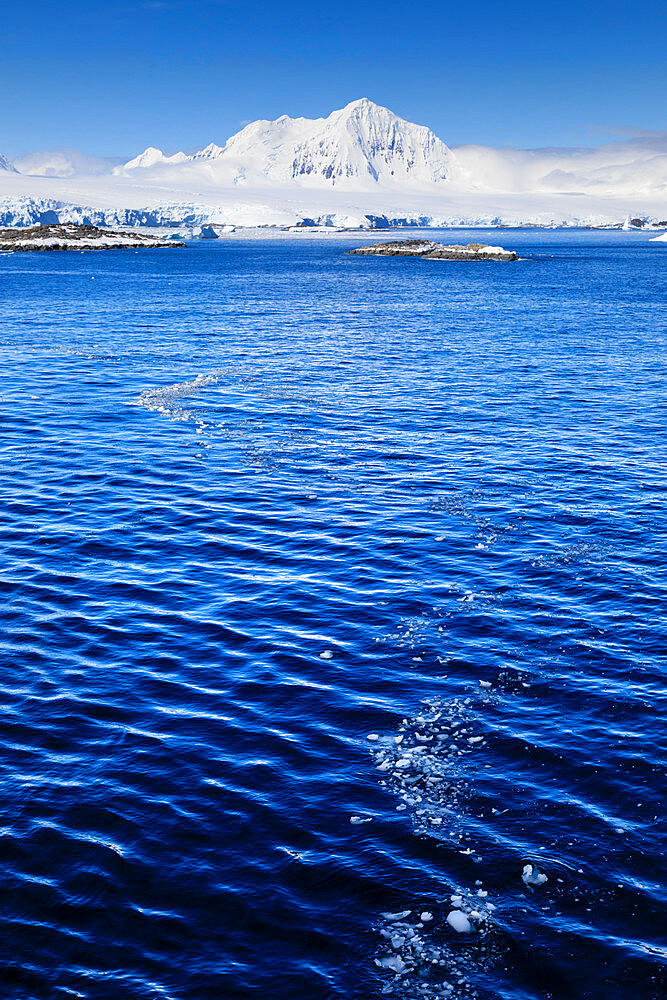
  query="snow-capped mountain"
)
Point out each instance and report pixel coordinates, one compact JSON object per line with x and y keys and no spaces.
{"x":151,"y":157}
{"x":6,"y":165}
{"x":360,"y":166}
{"x":364,"y":140}
{"x":359,"y":145}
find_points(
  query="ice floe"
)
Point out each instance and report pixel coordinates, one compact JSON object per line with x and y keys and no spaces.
{"x":458,"y":920}
{"x":533,"y":876}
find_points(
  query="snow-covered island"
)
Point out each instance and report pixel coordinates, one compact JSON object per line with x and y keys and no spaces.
{"x":69,"y":236}
{"x":436,"y":251}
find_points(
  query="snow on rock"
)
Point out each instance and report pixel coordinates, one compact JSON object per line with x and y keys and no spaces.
{"x":73,"y":237}
{"x":436,"y":251}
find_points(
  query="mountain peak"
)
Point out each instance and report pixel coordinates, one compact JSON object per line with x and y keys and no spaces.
{"x":360,"y":144}
{"x":151,"y":157}
{"x":365,"y":141}
{"x":210,"y":152}
{"x":364,"y":109}
{"x":361,"y":102}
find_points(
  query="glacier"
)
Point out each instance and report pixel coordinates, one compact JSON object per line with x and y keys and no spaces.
{"x":360,"y":167}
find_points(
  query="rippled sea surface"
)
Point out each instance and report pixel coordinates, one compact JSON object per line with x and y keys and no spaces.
{"x":333,"y":599}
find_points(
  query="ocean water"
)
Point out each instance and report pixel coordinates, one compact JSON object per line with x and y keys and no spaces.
{"x":333,"y":600}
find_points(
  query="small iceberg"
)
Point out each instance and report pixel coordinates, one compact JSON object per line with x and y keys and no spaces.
{"x":533,"y":876}
{"x":459,"y":922}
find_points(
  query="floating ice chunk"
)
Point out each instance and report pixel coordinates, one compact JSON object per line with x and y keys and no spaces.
{"x":326,"y":654}
{"x":533,"y":876}
{"x":485,"y":684}
{"x":482,"y":893}
{"x":459,"y":922}
{"x":426,"y":916}
{"x":394,"y":917}
{"x":373,"y":737}
{"x":356,"y":820}
{"x":394,"y":962}
{"x":457,"y":900}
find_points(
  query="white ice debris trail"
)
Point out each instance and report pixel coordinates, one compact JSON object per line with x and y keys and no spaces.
{"x":424,"y":764}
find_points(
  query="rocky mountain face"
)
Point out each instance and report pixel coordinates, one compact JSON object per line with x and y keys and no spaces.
{"x":6,"y":165}
{"x":366,"y":141}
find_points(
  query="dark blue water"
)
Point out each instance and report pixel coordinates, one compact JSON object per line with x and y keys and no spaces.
{"x":261,"y":500}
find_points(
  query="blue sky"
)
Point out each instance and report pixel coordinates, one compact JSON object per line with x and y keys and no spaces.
{"x":112,"y":76}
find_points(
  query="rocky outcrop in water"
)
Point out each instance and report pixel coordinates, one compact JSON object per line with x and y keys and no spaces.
{"x":436,"y":251}
{"x":69,"y":236}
